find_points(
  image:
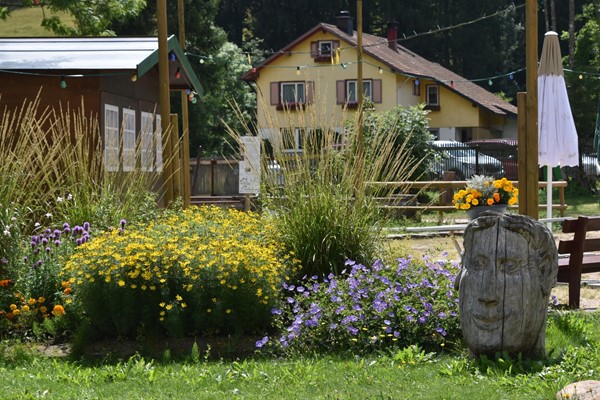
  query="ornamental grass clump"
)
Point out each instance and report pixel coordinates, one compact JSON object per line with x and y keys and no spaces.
{"x":317,"y":181}
{"x":199,"y":271}
{"x":369,"y":308}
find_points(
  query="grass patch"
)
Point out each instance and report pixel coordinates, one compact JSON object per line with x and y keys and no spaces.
{"x":27,"y":22}
{"x":572,"y":342}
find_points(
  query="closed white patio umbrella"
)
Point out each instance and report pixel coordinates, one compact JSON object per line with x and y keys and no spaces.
{"x":557,"y":137}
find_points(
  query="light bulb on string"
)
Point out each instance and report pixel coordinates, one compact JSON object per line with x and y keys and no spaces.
{"x":490,"y":82}
{"x":511,"y":77}
{"x":297,"y":70}
{"x":172,"y":56}
{"x":452,"y":84}
{"x":133,"y":77}
{"x":178,"y":73}
{"x":201,"y":60}
{"x":194,"y":100}
{"x":63,"y":83}
{"x":380,"y":70}
{"x":417,"y":82}
{"x":580,"y":76}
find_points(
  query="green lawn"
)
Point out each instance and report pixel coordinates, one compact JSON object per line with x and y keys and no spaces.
{"x":573,"y":341}
{"x":26,"y":22}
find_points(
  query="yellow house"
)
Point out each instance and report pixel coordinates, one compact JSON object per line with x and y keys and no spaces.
{"x":319,"y":70}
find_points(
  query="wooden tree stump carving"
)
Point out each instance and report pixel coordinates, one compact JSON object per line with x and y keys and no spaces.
{"x":509,"y":267}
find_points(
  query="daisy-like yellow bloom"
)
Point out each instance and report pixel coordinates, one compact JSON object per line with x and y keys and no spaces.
{"x":25,"y":308}
{"x":485,"y":191}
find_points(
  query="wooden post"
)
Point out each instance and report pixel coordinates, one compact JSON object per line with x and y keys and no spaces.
{"x":185,"y":126}
{"x":532,"y":108}
{"x":359,"y":98}
{"x":176,"y":164}
{"x":522,"y":155}
{"x":165,"y":104}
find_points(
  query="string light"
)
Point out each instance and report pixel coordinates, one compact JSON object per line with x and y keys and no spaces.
{"x":133,"y":77}
{"x":380,"y":70}
{"x":63,"y":83}
{"x":297,"y":70}
{"x":178,"y":73}
{"x":172,"y":56}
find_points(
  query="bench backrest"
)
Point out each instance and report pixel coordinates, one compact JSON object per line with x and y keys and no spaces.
{"x":579,"y":243}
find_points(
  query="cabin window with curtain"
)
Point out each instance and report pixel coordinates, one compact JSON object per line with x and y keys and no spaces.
{"x":128,"y":140}
{"x":111,"y":138}
{"x":158,"y":144}
{"x":147,"y":150}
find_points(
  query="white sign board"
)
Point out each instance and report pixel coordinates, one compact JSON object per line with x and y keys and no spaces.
{"x":250,"y":167}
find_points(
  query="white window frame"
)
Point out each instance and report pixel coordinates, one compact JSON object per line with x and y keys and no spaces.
{"x":299,"y":88}
{"x":326,"y":53}
{"x":351,"y":94}
{"x":297,"y":137}
{"x":128,"y":139}
{"x":433,"y":90}
{"x":111,"y":138}
{"x":147,"y":142}
{"x":158,"y":144}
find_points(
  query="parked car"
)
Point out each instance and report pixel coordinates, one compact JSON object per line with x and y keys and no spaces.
{"x":504,"y":150}
{"x":589,"y":163}
{"x":463,"y":160}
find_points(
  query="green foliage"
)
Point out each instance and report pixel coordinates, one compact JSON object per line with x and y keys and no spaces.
{"x":197,"y":271}
{"x":409,"y":128}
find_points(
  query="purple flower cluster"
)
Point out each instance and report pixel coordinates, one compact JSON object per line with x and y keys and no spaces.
{"x":366,"y":308}
{"x":41,"y":244}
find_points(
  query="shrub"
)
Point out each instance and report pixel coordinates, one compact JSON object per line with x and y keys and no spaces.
{"x":197,"y":271}
{"x":369,"y":308}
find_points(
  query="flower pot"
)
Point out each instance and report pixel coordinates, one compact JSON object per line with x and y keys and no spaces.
{"x":474,"y":212}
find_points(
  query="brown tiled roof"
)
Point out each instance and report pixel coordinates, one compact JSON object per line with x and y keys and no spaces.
{"x":406,"y":62}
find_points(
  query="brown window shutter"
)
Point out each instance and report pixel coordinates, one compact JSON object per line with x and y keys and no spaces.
{"x":314,"y":49}
{"x":275,"y":94}
{"x":310,"y":92}
{"x":340,"y":90}
{"x":376,"y":83}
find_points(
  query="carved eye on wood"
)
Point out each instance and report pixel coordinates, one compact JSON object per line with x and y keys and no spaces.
{"x":511,"y":266}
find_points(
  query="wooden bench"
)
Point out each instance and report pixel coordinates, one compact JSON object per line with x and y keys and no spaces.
{"x":580,"y":259}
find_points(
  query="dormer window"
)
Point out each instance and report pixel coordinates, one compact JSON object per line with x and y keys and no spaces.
{"x":324,"y":50}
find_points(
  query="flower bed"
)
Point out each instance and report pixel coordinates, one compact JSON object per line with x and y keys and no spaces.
{"x":199,"y":271}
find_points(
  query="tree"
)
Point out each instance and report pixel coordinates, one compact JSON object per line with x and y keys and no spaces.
{"x":222,"y":65}
{"x":91,"y":17}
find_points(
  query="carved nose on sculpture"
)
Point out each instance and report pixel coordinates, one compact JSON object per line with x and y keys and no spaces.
{"x":488,"y":294}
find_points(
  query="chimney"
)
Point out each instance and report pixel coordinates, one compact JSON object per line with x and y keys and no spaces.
{"x":344,"y":22}
{"x":392,"y":35}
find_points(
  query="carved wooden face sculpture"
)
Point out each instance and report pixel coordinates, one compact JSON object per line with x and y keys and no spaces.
{"x":503,"y":286}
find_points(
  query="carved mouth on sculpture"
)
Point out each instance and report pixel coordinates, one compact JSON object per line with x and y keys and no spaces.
{"x":487,"y":322}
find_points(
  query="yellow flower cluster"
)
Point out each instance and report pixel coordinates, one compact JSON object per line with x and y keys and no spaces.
{"x":197,"y":249}
{"x":484,"y":191}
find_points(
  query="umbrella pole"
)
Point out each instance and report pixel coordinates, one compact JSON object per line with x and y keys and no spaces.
{"x":549,"y":195}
